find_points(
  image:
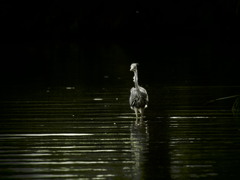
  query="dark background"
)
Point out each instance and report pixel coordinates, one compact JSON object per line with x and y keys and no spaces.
{"x":62,"y":43}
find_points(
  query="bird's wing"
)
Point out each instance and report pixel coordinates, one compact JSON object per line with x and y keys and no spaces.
{"x":144,"y":93}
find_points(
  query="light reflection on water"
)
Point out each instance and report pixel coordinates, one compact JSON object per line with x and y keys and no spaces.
{"x":42,"y":135}
{"x":139,"y":138}
{"x":73,"y":134}
{"x":191,"y":117}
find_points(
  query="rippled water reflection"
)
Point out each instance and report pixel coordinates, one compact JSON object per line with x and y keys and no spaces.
{"x":72,"y":133}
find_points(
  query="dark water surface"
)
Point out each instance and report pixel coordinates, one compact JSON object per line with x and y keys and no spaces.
{"x":89,"y":133}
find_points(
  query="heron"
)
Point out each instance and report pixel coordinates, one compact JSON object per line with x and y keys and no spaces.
{"x":138,"y":95}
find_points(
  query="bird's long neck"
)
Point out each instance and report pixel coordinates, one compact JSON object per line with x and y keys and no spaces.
{"x":136,"y":79}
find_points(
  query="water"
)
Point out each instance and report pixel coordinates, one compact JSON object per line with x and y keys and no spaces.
{"x":89,"y":133}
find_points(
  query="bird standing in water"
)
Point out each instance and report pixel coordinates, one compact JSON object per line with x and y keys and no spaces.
{"x":138,"y":95}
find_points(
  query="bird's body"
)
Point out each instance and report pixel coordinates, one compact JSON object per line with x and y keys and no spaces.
{"x":138,"y":98}
{"x":138,"y":95}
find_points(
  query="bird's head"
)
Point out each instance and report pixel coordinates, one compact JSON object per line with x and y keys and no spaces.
{"x":133,"y":67}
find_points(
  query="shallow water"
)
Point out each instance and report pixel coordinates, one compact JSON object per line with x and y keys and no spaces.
{"x":89,"y":133}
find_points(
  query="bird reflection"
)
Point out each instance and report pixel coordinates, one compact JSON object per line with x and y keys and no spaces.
{"x":139,"y":145}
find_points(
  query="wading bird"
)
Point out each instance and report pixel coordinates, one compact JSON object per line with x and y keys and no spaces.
{"x":138,"y":95}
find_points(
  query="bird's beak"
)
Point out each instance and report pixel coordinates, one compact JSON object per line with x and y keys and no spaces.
{"x":131,"y":69}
